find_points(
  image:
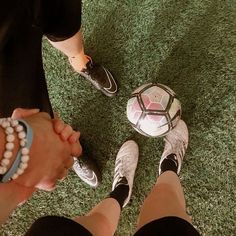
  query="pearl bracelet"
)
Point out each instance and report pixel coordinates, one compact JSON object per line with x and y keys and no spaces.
{"x":21,"y":161}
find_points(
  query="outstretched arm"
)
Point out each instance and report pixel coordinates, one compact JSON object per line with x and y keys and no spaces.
{"x":50,"y":159}
{"x":11,"y":195}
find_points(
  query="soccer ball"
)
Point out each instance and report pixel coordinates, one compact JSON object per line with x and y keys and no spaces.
{"x":153,"y":110}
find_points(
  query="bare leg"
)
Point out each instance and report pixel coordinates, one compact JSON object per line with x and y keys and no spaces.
{"x":73,"y":48}
{"x":102,"y":219}
{"x":98,"y":75}
{"x":165,"y":199}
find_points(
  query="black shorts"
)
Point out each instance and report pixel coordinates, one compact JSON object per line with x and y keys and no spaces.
{"x":168,"y":226}
{"x":60,"y":226}
{"x":22,"y":25}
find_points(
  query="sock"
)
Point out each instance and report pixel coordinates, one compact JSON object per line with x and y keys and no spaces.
{"x":169,"y":163}
{"x":121,"y":192}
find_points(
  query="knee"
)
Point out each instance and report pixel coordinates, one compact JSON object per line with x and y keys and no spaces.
{"x":164,"y":189}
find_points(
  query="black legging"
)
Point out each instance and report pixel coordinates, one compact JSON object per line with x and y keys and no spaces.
{"x":22,"y":26}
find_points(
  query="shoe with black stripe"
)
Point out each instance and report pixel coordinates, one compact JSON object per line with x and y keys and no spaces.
{"x":125,"y":166}
{"x":100,"y":77}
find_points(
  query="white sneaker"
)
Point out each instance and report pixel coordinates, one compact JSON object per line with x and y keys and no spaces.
{"x":125,"y":166}
{"x":176,"y":142}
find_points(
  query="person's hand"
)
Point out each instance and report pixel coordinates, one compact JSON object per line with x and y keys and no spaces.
{"x":50,"y":157}
{"x":60,"y":127}
{"x":65,"y":131}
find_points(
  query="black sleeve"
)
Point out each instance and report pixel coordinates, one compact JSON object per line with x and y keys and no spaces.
{"x":60,"y":19}
{"x":9,"y":14}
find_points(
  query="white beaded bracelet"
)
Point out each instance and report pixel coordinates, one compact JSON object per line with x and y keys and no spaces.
{"x":21,"y":161}
{"x":9,"y":131}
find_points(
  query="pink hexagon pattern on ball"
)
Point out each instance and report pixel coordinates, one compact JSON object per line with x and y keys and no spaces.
{"x":154,"y":118}
{"x":155,"y":107}
{"x":146,"y":100}
{"x":165,"y":100}
{"x":155,"y":95}
{"x":154,"y":128}
{"x":134,"y":111}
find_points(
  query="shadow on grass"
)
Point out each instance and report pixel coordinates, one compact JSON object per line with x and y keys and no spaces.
{"x":189,"y":58}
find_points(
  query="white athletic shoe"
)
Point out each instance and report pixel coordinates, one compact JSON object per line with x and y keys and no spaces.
{"x":125,"y":166}
{"x":176,"y":142}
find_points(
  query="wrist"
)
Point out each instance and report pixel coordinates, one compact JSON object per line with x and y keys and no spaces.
{"x":14,"y":193}
{"x":25,"y":136}
{"x":11,"y":196}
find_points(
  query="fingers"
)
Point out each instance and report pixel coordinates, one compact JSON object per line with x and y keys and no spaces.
{"x":76,"y":149}
{"x":21,"y":112}
{"x":44,"y":115}
{"x":65,"y":131}
{"x":74,"y":137}
{"x":58,"y":125}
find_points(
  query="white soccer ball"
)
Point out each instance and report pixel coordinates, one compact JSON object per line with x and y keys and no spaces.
{"x":153,"y":110}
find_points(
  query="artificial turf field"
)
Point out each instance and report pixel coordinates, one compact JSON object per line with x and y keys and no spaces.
{"x":187,"y":45}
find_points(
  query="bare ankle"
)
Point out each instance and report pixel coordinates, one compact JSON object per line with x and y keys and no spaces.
{"x":79,"y":62}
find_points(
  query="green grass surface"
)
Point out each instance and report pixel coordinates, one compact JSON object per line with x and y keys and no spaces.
{"x":187,"y":45}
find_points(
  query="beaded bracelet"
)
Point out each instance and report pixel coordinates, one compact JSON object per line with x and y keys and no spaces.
{"x":25,"y":135}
